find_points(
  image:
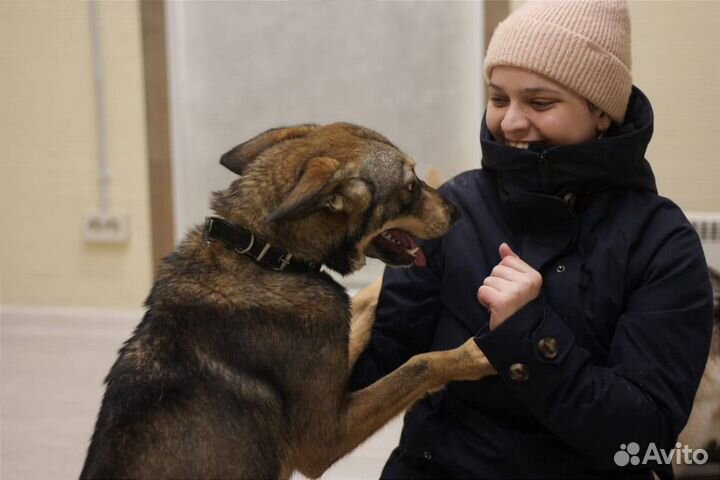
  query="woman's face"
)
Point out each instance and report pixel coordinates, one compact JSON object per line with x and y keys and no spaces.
{"x":525,"y":107}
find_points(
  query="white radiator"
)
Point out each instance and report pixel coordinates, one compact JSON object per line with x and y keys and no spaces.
{"x":707,"y":225}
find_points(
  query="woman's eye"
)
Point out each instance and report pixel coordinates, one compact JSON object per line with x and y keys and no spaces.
{"x":498,"y":101}
{"x":542,"y":104}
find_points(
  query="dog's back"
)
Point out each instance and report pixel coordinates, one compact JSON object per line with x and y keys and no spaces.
{"x":206,"y":375}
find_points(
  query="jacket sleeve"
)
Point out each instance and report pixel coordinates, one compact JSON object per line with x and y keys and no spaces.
{"x":405,"y":320}
{"x":658,"y":352}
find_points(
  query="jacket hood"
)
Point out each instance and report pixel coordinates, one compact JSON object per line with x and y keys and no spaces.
{"x":616,"y":160}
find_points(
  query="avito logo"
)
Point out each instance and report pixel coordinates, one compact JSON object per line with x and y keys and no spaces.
{"x":681,"y":454}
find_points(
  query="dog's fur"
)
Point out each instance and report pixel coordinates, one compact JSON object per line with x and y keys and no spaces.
{"x":240,"y":371}
{"x":703,"y":427}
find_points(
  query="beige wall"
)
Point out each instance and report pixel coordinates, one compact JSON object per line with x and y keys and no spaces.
{"x":676,"y":62}
{"x":49,"y":166}
{"x":675,"y":45}
{"x":411,"y":72}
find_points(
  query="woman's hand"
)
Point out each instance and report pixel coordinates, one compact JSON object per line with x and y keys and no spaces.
{"x":512,"y":284}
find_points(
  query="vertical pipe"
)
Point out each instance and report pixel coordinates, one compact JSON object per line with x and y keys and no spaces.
{"x":103,"y":166}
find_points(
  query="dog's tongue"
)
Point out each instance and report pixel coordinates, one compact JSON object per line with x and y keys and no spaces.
{"x":420,"y":260}
{"x":409,"y":243}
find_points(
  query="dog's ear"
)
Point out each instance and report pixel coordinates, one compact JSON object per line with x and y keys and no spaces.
{"x":365,"y":133}
{"x":309,"y":192}
{"x":241,"y":156}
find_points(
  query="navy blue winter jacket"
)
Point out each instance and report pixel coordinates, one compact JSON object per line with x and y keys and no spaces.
{"x":612,"y":350}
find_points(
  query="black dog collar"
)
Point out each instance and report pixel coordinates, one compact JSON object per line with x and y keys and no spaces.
{"x":246,"y":243}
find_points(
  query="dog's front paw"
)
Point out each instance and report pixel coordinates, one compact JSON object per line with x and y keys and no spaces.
{"x":472,"y":364}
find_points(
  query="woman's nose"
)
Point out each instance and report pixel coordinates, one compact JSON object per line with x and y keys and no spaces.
{"x":514,"y":121}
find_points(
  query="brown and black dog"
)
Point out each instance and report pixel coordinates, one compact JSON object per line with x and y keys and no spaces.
{"x":703,"y":427}
{"x":239,"y":368}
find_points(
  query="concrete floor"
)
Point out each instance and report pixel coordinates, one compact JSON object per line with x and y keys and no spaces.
{"x":52,"y":364}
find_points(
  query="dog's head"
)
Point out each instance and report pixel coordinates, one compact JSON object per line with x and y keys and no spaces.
{"x":333,"y":194}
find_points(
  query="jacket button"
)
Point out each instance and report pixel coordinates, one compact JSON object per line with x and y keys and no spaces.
{"x":560,"y":268}
{"x":519,"y":372}
{"x":427,"y":455}
{"x":548,"y":347}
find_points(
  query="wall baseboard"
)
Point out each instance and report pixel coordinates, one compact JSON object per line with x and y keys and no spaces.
{"x":81,"y":322}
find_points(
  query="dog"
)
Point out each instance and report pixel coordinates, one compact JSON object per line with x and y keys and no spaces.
{"x":240,"y":365}
{"x":703,"y":428}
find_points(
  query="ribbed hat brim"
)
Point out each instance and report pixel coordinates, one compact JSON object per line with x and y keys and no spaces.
{"x":565,"y":57}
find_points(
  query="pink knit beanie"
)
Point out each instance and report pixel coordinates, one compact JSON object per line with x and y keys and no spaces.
{"x":583,"y":45}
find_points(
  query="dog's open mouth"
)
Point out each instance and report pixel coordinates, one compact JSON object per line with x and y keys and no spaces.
{"x":396,"y":248}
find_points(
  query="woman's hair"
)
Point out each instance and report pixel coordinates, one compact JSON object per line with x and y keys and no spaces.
{"x":584,"y":45}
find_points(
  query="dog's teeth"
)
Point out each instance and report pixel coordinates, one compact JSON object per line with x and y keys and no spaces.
{"x":389,"y":237}
{"x":413,"y":251}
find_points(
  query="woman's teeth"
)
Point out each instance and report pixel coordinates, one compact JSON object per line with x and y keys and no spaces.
{"x":522,"y":145}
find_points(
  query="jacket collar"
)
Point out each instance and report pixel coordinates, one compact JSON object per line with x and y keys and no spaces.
{"x":614,"y":161}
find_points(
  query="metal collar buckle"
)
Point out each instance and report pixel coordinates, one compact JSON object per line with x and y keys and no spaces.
{"x":263,"y":252}
{"x":245,"y":250}
{"x":284,"y":262}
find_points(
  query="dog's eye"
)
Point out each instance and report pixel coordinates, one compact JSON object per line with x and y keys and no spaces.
{"x":411,"y":186}
{"x":335,"y":204}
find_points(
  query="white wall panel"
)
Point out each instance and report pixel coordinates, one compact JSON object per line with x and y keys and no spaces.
{"x":410,"y":70}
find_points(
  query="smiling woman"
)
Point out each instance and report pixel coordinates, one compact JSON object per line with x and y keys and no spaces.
{"x":525,"y":107}
{"x":586,"y":290}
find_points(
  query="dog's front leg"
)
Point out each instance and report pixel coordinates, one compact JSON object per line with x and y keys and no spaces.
{"x":369,"y":409}
{"x":363,"y":318}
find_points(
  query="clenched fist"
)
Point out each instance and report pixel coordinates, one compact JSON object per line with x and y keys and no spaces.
{"x":512,"y":284}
